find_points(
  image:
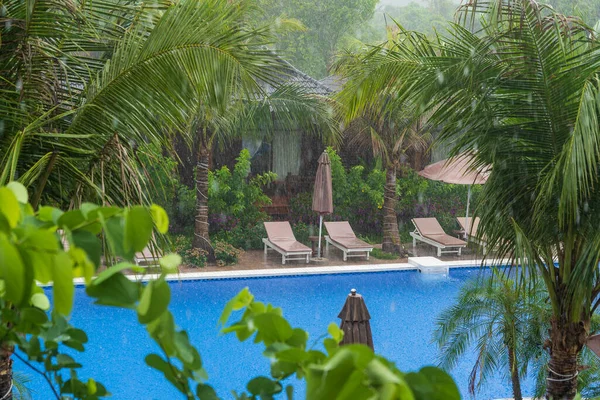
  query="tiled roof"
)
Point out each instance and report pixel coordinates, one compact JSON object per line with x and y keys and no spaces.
{"x":333,"y":82}
{"x":310,"y":84}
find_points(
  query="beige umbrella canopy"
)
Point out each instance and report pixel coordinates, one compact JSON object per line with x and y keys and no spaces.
{"x":458,"y":170}
{"x":593,"y":342}
{"x":355,"y":321}
{"x":323,"y":193}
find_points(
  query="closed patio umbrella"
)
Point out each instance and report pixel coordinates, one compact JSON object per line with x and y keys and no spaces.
{"x":457,"y":170}
{"x":323,"y":193}
{"x":355,"y":321}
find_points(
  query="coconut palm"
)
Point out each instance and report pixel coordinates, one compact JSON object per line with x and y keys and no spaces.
{"x":522,"y":94}
{"x":84,"y":86}
{"x":389,"y":131}
{"x":501,"y":322}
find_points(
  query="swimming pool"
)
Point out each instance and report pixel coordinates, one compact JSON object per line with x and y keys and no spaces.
{"x":403,"y":308}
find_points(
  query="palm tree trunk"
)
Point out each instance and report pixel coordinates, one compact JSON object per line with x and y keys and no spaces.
{"x":201,"y":238}
{"x":391,"y":236}
{"x":514,"y":374}
{"x":6,"y":374}
{"x":566,"y":341}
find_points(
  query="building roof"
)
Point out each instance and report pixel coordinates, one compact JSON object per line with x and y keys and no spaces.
{"x":333,"y":82}
{"x":306,"y":82}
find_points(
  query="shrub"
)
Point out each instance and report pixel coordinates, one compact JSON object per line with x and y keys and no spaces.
{"x":234,"y":199}
{"x":182,"y":245}
{"x":225,"y":253}
{"x":243,"y":237}
{"x":382,"y":255}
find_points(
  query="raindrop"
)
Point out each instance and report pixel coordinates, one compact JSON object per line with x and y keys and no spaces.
{"x":8,"y":24}
{"x":393,"y":306}
{"x":115,"y":122}
{"x":440,"y":77}
{"x":19,"y":85}
{"x":1,"y":127}
{"x":420,"y":197}
{"x":466,"y":71}
{"x":586,"y":206}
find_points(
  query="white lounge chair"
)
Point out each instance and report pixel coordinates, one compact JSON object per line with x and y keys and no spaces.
{"x":281,"y":239}
{"x":471,"y":231}
{"x":429,"y":230}
{"x":341,"y":235}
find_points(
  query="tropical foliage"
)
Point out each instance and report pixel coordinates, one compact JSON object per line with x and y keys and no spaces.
{"x":56,"y":246}
{"x":521,"y":94}
{"x":502,"y":323}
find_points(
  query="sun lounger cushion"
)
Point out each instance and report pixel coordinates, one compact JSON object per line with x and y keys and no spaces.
{"x":431,"y":229}
{"x":341,"y":232}
{"x":281,"y":235}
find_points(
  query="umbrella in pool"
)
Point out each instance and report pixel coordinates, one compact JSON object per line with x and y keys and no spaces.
{"x":322,"y":195}
{"x":458,"y":170}
{"x":355,"y":321}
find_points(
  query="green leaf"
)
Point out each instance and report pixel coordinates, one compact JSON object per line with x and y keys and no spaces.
{"x":62,"y":289}
{"x":170,"y":263}
{"x":336,"y":333}
{"x":41,"y":301}
{"x":242,"y":299}
{"x":273,"y":328}
{"x":71,"y":219}
{"x":90,"y":243}
{"x":262,"y":385}
{"x":9,"y":206}
{"x":138,"y":228}
{"x":19,"y":191}
{"x":115,"y":236}
{"x":34,"y":315}
{"x":432,"y":383}
{"x":49,"y":214}
{"x":110,"y":271}
{"x":114,"y":290}
{"x":12,"y":270}
{"x":154,"y":301}
{"x":160,"y":218}
{"x":86,"y":208}
{"x":205,"y":392}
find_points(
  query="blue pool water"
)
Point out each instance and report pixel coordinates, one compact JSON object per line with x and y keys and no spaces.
{"x":403,"y":308}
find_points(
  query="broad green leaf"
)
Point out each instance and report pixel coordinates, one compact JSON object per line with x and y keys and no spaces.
{"x":49,"y":214}
{"x":71,"y":219}
{"x":9,"y":206}
{"x":157,"y":362}
{"x":110,"y":271}
{"x":205,"y":392}
{"x":154,"y":301}
{"x":114,"y":290}
{"x":92,"y":388}
{"x":262,"y":385}
{"x":90,"y":243}
{"x":432,"y":383}
{"x":34,"y":315}
{"x":86,"y":208}
{"x":170,"y":262}
{"x":19,"y":191}
{"x":115,"y":236}
{"x":42,"y":265}
{"x":41,"y":301}
{"x":336,"y":333}
{"x":241,"y":300}
{"x":62,"y":289}
{"x":160,"y":218}
{"x":138,"y":228}
{"x":273,"y":328}
{"x":12,"y":271}
{"x":298,"y":339}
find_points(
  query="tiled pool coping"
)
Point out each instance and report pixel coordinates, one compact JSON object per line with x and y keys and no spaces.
{"x":414,"y":263}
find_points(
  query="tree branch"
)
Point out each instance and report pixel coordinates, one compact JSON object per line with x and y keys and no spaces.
{"x":24,"y":361}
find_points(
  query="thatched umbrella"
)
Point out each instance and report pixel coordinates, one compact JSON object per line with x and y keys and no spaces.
{"x":323,"y":193}
{"x":355,"y":321}
{"x":593,"y":343}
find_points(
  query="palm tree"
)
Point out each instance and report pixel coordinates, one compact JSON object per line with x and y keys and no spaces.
{"x":522,"y":94}
{"x":390,"y":131}
{"x":496,"y":317}
{"x":84,"y":86}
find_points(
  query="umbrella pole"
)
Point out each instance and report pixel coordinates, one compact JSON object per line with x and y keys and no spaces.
{"x":467,"y":217}
{"x":320,"y":230}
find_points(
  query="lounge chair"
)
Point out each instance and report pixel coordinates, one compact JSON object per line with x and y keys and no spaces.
{"x":341,"y":235}
{"x":429,"y":230}
{"x":147,"y":257}
{"x":282,"y":240}
{"x":471,"y":231}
